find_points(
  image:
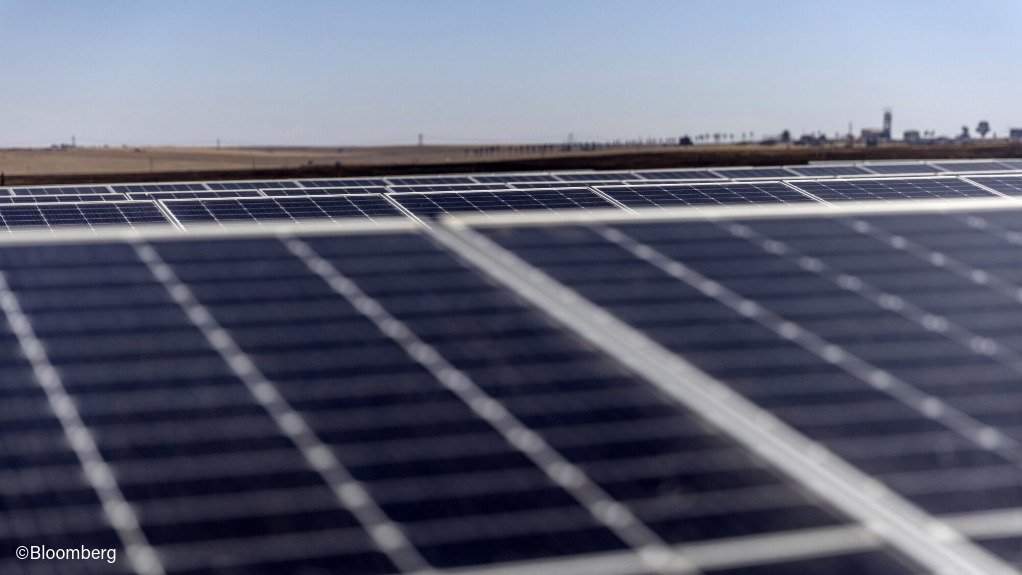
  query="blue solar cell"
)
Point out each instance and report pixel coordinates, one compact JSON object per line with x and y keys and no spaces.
{"x":678,"y":175}
{"x":369,"y":207}
{"x":820,"y":171}
{"x":178,"y":187}
{"x":450,"y":187}
{"x":902,"y":169}
{"x":91,"y":214}
{"x":890,"y":189}
{"x":971,"y":166}
{"x":761,"y":173}
{"x":673,"y":195}
{"x":343,"y":183}
{"x":515,"y":178}
{"x":284,"y":192}
{"x":596,"y":176}
{"x":60,"y":190}
{"x":562,"y":199}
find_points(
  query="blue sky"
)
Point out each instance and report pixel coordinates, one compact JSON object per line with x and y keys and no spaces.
{"x":336,"y":72}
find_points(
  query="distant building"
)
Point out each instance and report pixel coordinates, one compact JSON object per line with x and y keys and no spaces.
{"x":873,"y":136}
{"x":912,"y":137}
{"x":1015,"y":134}
{"x":887,"y":123}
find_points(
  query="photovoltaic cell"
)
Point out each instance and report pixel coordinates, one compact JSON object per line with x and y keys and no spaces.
{"x":428,"y":180}
{"x":1010,"y":185}
{"x":514,"y":178}
{"x":251,"y":185}
{"x":283,"y":192}
{"x":1011,"y":164}
{"x":60,"y":190}
{"x":432,"y":205}
{"x":63,"y":198}
{"x":971,"y":166}
{"x":674,"y":195}
{"x":678,"y":175}
{"x":370,"y":207}
{"x":177,"y":187}
{"x":48,"y":216}
{"x":343,"y":183}
{"x":596,"y":176}
{"x":195,"y":195}
{"x":450,"y":187}
{"x":819,"y":171}
{"x":890,"y":189}
{"x":902,"y":169}
{"x":763,"y":173}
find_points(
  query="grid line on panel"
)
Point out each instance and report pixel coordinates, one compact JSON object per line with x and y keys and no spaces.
{"x":889,"y":189}
{"x":606,"y":510}
{"x":668,"y":195}
{"x":987,"y":437}
{"x":323,"y":191}
{"x":1007,"y":185}
{"x":341,"y":183}
{"x":98,"y":474}
{"x":968,"y":427}
{"x":894,"y":169}
{"x":350,"y":493}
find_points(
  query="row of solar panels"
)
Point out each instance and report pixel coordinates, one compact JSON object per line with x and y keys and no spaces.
{"x":391,"y":403}
{"x":184,"y":190}
{"x":424,"y":205}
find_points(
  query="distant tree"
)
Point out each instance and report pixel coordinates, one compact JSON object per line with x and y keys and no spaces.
{"x":965,"y":133}
{"x":786,"y":136}
{"x":983,"y":128}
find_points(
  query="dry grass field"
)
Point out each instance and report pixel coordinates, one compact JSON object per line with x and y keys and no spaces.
{"x":36,"y":166}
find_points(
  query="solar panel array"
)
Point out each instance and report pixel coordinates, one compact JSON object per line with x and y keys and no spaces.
{"x":820,"y":383}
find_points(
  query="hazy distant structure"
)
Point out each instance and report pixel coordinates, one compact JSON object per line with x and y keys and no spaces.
{"x":873,"y":136}
{"x":1015,"y":134}
{"x":912,"y":137}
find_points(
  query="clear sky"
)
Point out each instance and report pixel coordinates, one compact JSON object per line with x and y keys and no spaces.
{"x":336,"y":72}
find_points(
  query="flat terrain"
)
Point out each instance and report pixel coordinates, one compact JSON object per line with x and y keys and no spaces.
{"x":37,"y":166}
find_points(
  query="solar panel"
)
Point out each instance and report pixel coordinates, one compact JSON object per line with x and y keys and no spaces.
{"x":821,"y":171}
{"x":428,"y":180}
{"x":195,"y":195}
{"x":301,"y":406}
{"x":971,"y":166}
{"x":1010,"y":185}
{"x":1011,"y":164}
{"x":769,"y":388}
{"x":677,"y":175}
{"x":514,"y":178}
{"x":758,"y":173}
{"x":596,"y":176}
{"x":99,"y":214}
{"x":60,"y":190}
{"x":902,"y":169}
{"x":177,"y":187}
{"x":673,"y":195}
{"x":265,"y":210}
{"x":431,"y":205}
{"x":890,"y":189}
{"x":280,"y":192}
{"x":250,"y":185}
{"x":850,"y":330}
{"x":450,"y":187}
{"x":343,"y":183}
{"x":63,"y":198}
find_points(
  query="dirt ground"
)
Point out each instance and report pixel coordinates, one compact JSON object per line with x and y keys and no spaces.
{"x":37,"y":166}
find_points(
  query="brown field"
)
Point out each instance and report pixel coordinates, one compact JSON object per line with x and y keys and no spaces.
{"x":37,"y":166}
